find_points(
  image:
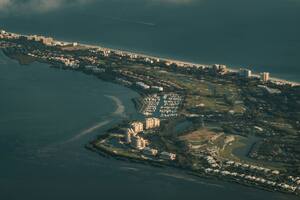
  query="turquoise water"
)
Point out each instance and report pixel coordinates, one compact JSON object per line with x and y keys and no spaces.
{"x":44,"y":112}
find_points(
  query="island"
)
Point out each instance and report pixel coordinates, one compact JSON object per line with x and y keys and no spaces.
{"x":209,"y":120}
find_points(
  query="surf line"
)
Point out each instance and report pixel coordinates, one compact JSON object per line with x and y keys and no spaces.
{"x":120,"y":111}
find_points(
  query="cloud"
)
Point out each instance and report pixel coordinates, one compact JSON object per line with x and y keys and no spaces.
{"x":21,"y":6}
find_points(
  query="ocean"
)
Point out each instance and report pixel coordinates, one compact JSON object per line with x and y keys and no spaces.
{"x":48,"y":115}
{"x":262,"y":35}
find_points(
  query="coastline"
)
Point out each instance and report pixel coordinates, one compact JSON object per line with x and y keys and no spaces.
{"x":88,"y":48}
{"x":179,"y":61}
{"x":167,"y":59}
{"x":114,"y":155}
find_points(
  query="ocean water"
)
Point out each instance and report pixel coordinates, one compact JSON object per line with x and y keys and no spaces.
{"x":263,"y":35}
{"x":48,"y":115}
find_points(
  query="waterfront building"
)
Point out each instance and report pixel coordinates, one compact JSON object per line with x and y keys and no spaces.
{"x":2,"y":34}
{"x":129,"y":132}
{"x":58,"y":43}
{"x":149,"y":60}
{"x":138,"y":142}
{"x":142,"y":85}
{"x":150,"y":151}
{"x":265,"y":76}
{"x":222,"y":69}
{"x":246,"y":73}
{"x":137,"y":127}
{"x":33,"y":37}
{"x":157,"y":88}
{"x":152,"y":123}
{"x":167,"y":156}
{"x":144,"y":143}
{"x":47,"y":40}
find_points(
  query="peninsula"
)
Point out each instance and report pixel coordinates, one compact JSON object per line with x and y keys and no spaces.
{"x":209,"y":120}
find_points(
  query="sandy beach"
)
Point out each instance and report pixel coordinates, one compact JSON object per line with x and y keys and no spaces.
{"x":181,"y":63}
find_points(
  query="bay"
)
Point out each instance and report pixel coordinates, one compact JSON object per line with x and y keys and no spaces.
{"x":48,"y":115}
{"x":44,"y":112}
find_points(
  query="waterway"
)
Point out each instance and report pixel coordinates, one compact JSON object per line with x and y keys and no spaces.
{"x":48,"y":115}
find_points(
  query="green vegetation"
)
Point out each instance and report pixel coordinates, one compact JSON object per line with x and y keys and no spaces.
{"x":223,"y":112}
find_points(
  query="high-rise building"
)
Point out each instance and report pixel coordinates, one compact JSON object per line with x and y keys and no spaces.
{"x":152,"y":123}
{"x":245,"y":73}
{"x":265,"y":76}
{"x":129,"y":133}
{"x":137,"y":127}
{"x":138,"y":142}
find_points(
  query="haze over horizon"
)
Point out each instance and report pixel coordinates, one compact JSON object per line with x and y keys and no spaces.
{"x":41,"y":6}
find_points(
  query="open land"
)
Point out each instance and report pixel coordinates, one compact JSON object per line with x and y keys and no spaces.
{"x":216,"y":122}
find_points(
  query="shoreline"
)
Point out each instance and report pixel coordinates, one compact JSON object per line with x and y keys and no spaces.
{"x":111,"y":154}
{"x":166,"y":59}
{"x":84,"y":47}
{"x":179,"y":61}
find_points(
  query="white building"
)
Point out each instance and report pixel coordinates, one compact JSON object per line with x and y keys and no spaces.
{"x":137,"y":127}
{"x":157,"y":88}
{"x":246,"y":73}
{"x":142,"y":85}
{"x":219,"y":68}
{"x":152,"y":123}
{"x":129,"y":133}
{"x":265,"y":76}
{"x":138,"y":142}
